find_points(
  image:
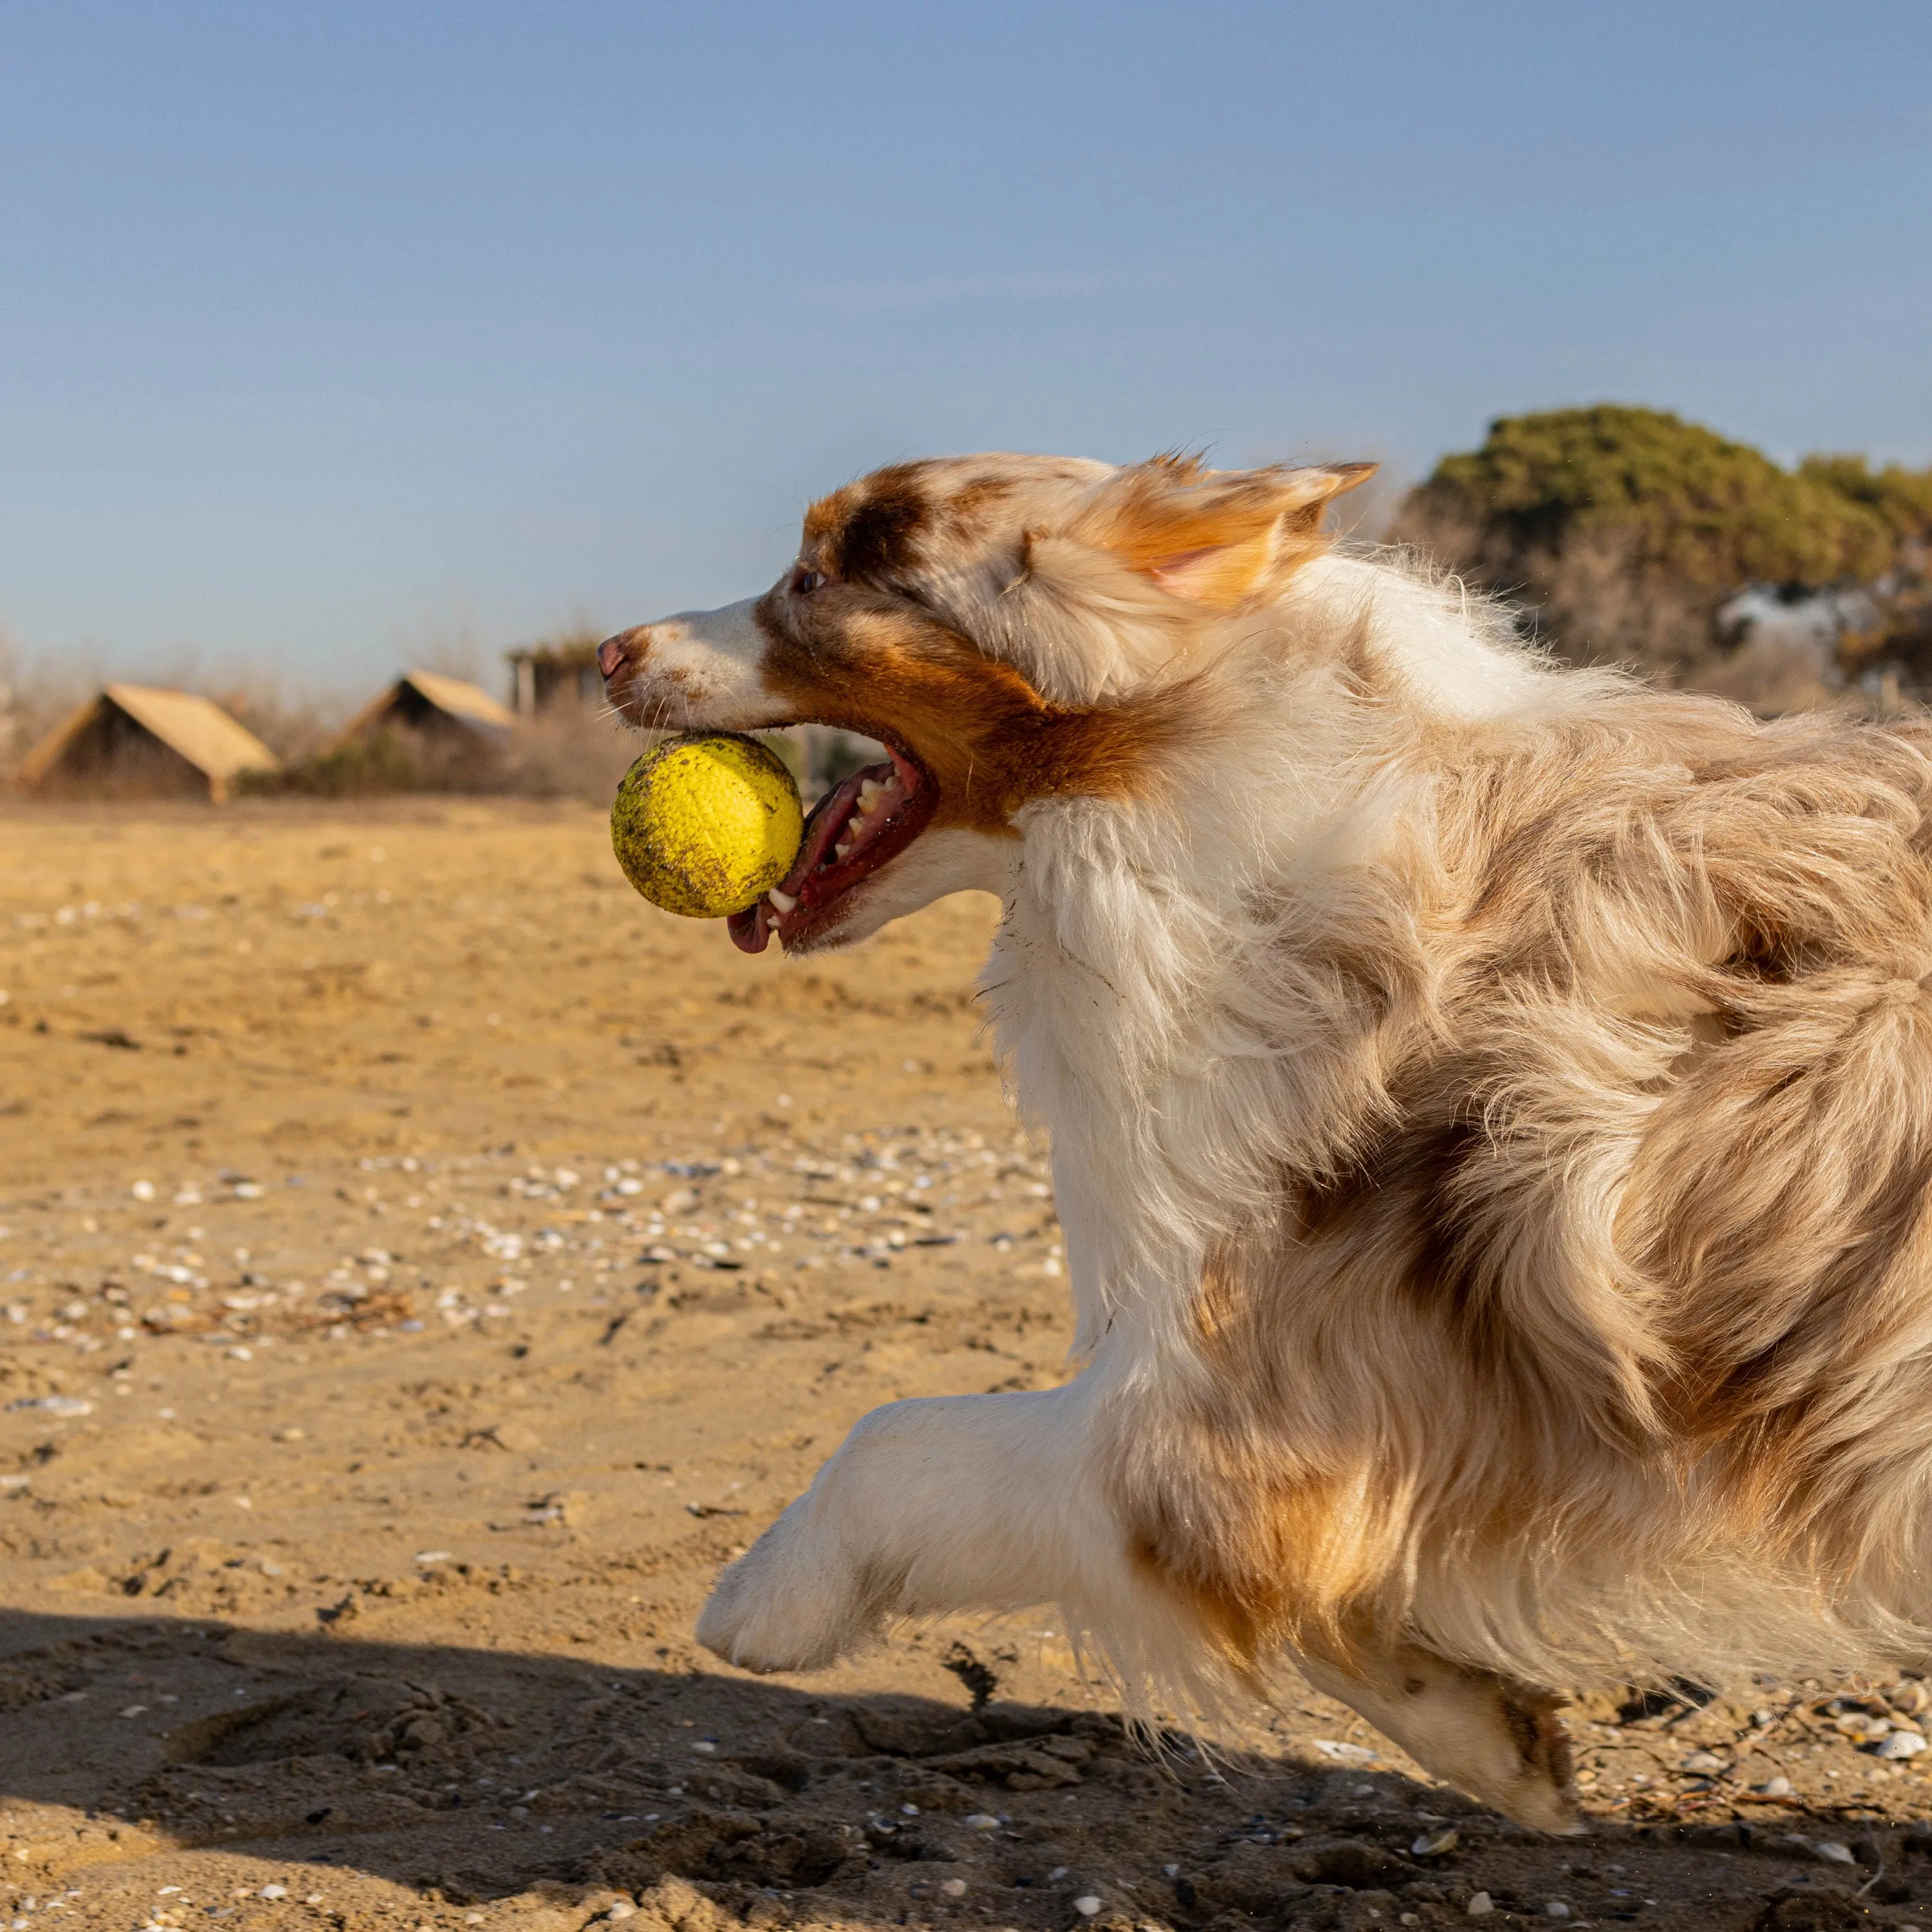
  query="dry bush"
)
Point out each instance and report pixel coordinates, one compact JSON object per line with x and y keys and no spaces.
{"x":1595,"y":601}
{"x":570,"y":751}
{"x":36,"y":694}
{"x":1774,"y":675}
{"x":294,"y":720}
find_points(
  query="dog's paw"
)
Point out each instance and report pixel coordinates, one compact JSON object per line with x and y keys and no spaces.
{"x":1506,"y":1745}
{"x":749,"y":1627}
{"x":769,"y":1613}
{"x":1539,"y":1790}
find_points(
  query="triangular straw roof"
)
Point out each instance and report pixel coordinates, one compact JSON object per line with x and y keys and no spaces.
{"x":454,"y":697}
{"x":462,"y":699}
{"x":195,"y":728}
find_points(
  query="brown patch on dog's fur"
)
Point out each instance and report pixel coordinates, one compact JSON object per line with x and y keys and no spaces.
{"x":1543,"y":1745}
{"x":981,"y":730}
{"x":1261,"y":1549}
{"x":1250,"y":1574}
{"x":869,"y":529}
{"x":967,"y":507}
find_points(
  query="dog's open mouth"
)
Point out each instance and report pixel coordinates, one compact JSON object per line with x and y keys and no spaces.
{"x":854,"y":830}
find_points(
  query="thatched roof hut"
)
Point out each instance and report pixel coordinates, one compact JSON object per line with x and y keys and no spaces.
{"x":425,"y":705}
{"x":136,"y":740}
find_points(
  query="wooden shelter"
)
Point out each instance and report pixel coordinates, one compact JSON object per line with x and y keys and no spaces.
{"x":449,"y":713}
{"x":134,"y":740}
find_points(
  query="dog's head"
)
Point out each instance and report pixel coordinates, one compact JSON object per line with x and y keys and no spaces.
{"x":1010,"y":628}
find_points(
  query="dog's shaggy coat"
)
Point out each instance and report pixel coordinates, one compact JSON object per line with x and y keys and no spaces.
{"x":1491,"y":1109}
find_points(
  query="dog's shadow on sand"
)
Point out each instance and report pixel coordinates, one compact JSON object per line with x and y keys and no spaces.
{"x":476,"y":1774}
{"x":480,"y":1773}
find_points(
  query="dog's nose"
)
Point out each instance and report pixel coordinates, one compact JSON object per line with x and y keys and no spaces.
{"x":609,"y":656}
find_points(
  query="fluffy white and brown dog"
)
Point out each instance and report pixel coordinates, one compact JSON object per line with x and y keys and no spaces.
{"x":1491,"y":1110}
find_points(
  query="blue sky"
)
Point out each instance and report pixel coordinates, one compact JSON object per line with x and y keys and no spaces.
{"x":333,"y":336}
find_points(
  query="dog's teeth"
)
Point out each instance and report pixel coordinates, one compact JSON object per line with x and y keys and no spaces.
{"x":870,"y":792}
{"x":783,"y":900}
{"x":855,"y":824}
{"x":840,"y":851}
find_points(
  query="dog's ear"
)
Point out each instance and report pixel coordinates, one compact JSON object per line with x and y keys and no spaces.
{"x":1213,"y":538}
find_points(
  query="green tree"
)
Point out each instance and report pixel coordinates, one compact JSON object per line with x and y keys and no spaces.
{"x":1900,"y":498}
{"x":1622,"y":530}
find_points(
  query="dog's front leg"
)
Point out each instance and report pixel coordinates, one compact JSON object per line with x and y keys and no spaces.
{"x":958,"y":1502}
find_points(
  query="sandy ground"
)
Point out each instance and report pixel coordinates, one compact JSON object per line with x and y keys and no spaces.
{"x":423,"y":1265}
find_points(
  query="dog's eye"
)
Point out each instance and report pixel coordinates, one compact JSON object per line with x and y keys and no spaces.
{"x":805,"y":582}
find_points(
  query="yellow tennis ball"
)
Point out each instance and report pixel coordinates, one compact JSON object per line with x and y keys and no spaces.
{"x":705,"y":825}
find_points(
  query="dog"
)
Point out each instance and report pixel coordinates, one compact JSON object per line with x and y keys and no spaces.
{"x":1490,"y":1107}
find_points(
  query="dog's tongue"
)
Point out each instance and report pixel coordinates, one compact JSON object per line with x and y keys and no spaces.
{"x":868,"y":809}
{"x":750,"y":930}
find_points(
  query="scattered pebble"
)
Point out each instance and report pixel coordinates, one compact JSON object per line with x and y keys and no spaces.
{"x":1833,"y":1853}
{"x":1087,"y":1904}
{"x":1705,"y":1762}
{"x":1480,"y":1905}
{"x":1779,"y":1786}
{"x":1900,"y":1743}
{"x":981,"y":1821}
{"x":954,"y":1888}
{"x":1433,"y":1844}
